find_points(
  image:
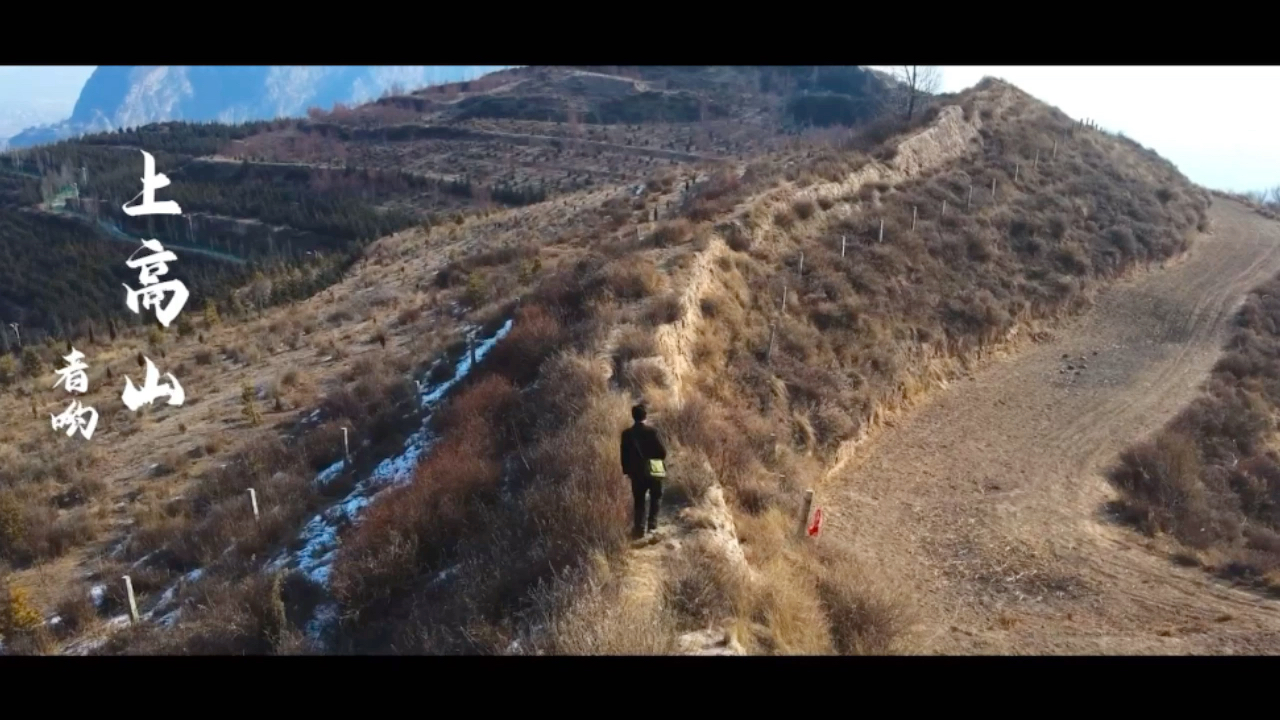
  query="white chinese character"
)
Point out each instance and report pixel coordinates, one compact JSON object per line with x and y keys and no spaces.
{"x":157,"y":263}
{"x":73,"y":418}
{"x":154,"y":291}
{"x":150,"y":183}
{"x":151,"y":389}
{"x":73,"y":374}
{"x":152,"y":297}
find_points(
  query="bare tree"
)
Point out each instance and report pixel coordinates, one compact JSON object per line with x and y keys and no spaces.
{"x":1268,"y":198}
{"x":573,"y":120}
{"x":918,"y":80}
{"x":260,"y":291}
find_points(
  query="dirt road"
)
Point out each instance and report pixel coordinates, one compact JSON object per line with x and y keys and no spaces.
{"x":989,"y":501}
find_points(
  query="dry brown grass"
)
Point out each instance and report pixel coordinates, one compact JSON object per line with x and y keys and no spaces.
{"x":80,"y":496}
{"x":817,"y":597}
{"x":867,"y":614}
{"x":663,"y":310}
{"x":586,"y":614}
{"x":855,"y":339}
{"x":702,"y":589}
{"x":1211,"y":477}
{"x":257,"y":616}
{"x":523,"y":489}
{"x":672,"y":232}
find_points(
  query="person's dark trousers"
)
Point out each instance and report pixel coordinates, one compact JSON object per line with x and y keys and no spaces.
{"x":639,"y":487}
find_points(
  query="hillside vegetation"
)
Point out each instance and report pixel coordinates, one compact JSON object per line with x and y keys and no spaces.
{"x":682,"y":316}
{"x":1211,"y":478}
{"x":297,"y":200}
{"x":510,"y":536}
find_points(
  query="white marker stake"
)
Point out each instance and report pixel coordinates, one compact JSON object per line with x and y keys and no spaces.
{"x":253,"y":500}
{"x":913,"y":218}
{"x":346,"y":449}
{"x":133,"y":603}
{"x":801,"y":271}
{"x":843,"y":240}
{"x":881,"y":238}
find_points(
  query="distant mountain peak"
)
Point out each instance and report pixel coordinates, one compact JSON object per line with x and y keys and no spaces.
{"x":118,"y":96}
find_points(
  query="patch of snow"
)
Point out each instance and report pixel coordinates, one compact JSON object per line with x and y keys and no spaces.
{"x":98,"y":593}
{"x":170,"y":618}
{"x":319,"y":538}
{"x":170,"y":595}
{"x":141,"y":560}
{"x":328,"y":474}
{"x":443,"y":576}
{"x":325,"y":616}
{"x":88,"y":645}
{"x":118,"y":548}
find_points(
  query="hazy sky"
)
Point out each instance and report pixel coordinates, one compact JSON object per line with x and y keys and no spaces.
{"x":28,"y":84}
{"x":1217,"y":124}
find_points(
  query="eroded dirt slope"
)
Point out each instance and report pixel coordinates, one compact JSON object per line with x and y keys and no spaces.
{"x":990,"y":499}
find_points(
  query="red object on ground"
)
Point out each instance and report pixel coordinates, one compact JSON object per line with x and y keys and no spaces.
{"x":817,"y":523}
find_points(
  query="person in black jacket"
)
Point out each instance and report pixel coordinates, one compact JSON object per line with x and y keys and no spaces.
{"x":640,"y":444}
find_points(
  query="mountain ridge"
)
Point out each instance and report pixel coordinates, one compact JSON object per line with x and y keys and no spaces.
{"x":128,"y":96}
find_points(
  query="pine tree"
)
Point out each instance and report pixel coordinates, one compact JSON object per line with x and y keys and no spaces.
{"x":476,"y":289}
{"x":249,"y":408}
{"x":185,"y":328}
{"x":12,"y":525}
{"x":32,"y":364}
{"x":8,"y":369}
{"x":19,"y":615}
{"x":211,"y":317}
